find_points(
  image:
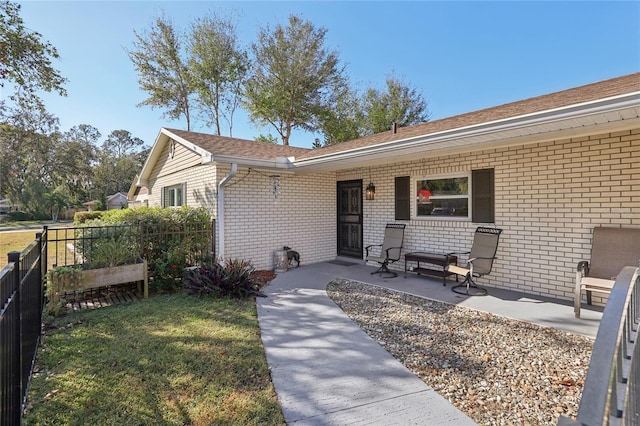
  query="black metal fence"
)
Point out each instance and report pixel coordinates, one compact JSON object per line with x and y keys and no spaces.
{"x":74,"y":245}
{"x":22,"y":298}
{"x":22,"y":284}
{"x":611,"y":393}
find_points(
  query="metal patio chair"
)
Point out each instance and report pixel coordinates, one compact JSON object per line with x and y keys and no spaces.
{"x":611,"y":250}
{"x":480,"y":261}
{"x":390,"y":249}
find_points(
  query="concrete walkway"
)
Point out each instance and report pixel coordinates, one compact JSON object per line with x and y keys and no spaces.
{"x":327,"y":371}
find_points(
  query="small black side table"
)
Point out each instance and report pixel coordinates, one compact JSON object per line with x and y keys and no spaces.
{"x":441,"y":260}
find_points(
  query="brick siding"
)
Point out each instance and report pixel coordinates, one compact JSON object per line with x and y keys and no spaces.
{"x":303,"y":216}
{"x":548,"y":198}
{"x":184,"y":166}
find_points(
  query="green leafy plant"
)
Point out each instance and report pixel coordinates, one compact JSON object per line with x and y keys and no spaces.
{"x":233,"y":278}
{"x":169,"y":239}
{"x":167,"y":269}
{"x":81,"y":217}
{"x":111,"y":253}
{"x":90,"y":237}
{"x":60,"y":280}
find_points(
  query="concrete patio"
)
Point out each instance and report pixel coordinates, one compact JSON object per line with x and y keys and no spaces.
{"x":327,"y":371}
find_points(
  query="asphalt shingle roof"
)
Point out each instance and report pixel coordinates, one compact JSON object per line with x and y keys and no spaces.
{"x":590,"y":92}
{"x":221,"y":145}
{"x":234,"y":147}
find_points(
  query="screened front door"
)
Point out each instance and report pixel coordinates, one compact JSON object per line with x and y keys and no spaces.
{"x":350,"y":218}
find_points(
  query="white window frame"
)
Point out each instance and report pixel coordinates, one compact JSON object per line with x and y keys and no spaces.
{"x":171,"y":196}
{"x":468,"y":197}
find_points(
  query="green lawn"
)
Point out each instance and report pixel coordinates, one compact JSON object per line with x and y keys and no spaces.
{"x":14,"y":241}
{"x":19,"y":240}
{"x":168,"y":360}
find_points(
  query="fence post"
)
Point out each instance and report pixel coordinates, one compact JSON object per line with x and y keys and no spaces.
{"x":14,"y":256}
{"x":16,"y":373}
{"x":42,"y":270}
{"x":44,"y":242}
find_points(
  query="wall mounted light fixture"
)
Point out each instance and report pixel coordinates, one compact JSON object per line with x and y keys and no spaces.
{"x":371,"y":189}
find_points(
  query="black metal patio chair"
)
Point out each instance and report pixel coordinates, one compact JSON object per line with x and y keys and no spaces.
{"x":480,"y":261}
{"x":390,"y":249}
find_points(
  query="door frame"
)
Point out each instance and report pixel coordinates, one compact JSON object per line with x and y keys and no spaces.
{"x":339,"y":185}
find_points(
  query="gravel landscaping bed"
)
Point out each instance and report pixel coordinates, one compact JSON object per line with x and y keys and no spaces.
{"x":496,"y":370}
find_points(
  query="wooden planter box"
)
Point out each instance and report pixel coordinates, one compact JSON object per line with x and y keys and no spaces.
{"x":102,"y":277}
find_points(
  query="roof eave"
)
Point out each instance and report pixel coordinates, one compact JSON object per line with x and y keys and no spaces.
{"x":570,"y":121}
{"x":279,"y":163}
{"x":203,"y":153}
{"x":164,"y":136}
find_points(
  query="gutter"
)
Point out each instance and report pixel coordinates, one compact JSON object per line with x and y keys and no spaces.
{"x":281,"y":163}
{"x":452,"y":138}
{"x":220,"y":206}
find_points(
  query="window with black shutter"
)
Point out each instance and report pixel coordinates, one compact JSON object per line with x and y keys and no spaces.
{"x":403,"y":198}
{"x":483,"y":197}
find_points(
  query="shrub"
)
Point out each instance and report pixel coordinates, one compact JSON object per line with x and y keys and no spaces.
{"x":80,"y":218}
{"x":20,"y":216}
{"x":59,"y":280}
{"x":150,"y":215}
{"x":111,"y":252}
{"x":169,"y":239}
{"x":167,"y":269}
{"x":233,"y":278}
{"x":104,"y":244}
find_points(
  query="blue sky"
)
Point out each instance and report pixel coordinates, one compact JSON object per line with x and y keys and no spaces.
{"x":463,"y":56}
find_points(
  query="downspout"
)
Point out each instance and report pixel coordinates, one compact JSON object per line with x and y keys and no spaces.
{"x":225,"y":180}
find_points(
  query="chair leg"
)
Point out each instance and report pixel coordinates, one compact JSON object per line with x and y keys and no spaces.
{"x":469,"y":287}
{"x":384,"y":269}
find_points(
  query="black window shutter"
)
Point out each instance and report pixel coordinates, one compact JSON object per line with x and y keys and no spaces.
{"x":483,"y":197}
{"x":403,"y":198}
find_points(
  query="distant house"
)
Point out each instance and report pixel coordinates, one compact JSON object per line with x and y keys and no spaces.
{"x":118,"y":200}
{"x":546,"y":170}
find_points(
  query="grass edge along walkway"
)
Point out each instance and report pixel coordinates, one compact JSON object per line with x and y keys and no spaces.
{"x":169,"y":360}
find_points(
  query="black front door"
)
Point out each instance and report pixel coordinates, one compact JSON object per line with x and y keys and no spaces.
{"x":350,"y":218}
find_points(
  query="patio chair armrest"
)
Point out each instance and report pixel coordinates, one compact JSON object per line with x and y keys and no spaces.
{"x":471,"y":260}
{"x":372,"y":245}
{"x":583,"y":267}
{"x":394,"y":248}
{"x":581,"y":271}
{"x":476,"y":258}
